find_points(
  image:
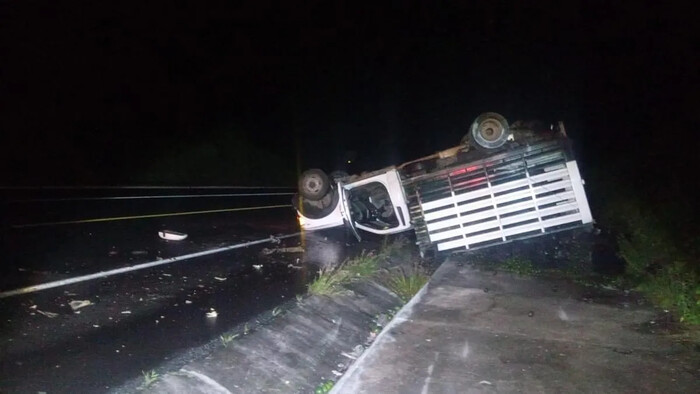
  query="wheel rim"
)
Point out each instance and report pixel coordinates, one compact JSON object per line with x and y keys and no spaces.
{"x":491,"y":130}
{"x":313,"y":184}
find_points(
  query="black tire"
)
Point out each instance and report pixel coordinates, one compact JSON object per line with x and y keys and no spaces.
{"x":314,"y":184}
{"x":316,"y":209}
{"x":489,"y":131}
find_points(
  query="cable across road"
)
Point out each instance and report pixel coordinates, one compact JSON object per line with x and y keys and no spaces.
{"x":116,"y":271}
{"x":142,"y":187}
{"x":157,"y":215}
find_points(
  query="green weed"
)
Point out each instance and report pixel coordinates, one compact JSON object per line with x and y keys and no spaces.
{"x":329,"y":281}
{"x":324,"y":387}
{"x":395,"y":248}
{"x":654,"y":263}
{"x":149,"y":378}
{"x":407,"y":284}
{"x":363,"y":266}
{"x":227,"y":338}
{"x":675,"y":286}
{"x":520,"y":266}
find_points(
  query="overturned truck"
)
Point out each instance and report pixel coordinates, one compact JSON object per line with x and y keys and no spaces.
{"x":501,"y":183}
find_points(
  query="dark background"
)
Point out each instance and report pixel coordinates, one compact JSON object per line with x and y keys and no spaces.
{"x":216,"y":92}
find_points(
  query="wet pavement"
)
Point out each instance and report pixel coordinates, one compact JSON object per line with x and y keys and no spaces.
{"x":141,"y":320}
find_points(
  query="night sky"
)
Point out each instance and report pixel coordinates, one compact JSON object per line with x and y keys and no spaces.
{"x":93,"y":92}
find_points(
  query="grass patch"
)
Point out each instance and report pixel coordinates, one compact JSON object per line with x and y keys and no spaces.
{"x":656,"y":258}
{"x":149,"y":378}
{"x":395,"y":248}
{"x":363,"y":266}
{"x":520,"y":266}
{"x":329,"y":281}
{"x":407,"y":284}
{"x":675,"y":287}
{"x":227,"y":338}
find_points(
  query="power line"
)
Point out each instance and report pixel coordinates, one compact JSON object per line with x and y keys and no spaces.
{"x":149,"y":197}
{"x":157,"y":215}
{"x":142,"y":187}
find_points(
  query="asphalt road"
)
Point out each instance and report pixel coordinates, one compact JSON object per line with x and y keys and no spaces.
{"x":140,"y":320}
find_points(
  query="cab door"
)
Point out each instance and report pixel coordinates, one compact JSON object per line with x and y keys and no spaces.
{"x":346,"y":212}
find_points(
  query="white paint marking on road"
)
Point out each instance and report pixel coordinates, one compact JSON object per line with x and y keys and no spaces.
{"x":562,"y":315}
{"x":211,"y":383}
{"x":430,"y":374}
{"x":465,"y":350}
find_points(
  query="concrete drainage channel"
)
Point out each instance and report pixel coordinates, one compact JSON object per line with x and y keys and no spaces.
{"x":304,"y":345}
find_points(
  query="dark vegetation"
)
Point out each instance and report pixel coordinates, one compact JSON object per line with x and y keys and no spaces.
{"x":657,"y":238}
{"x":228,"y":157}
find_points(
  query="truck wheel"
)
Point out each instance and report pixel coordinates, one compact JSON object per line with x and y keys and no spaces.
{"x":314,"y":184}
{"x":489,"y":131}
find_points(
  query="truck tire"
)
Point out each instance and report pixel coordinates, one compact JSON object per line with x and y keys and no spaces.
{"x":316,"y":209}
{"x":489,"y":131}
{"x":314,"y":184}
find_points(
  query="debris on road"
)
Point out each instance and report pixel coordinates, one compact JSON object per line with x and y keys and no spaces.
{"x":257,"y":266}
{"x":212,"y":313}
{"x":188,"y":302}
{"x":171,"y":235}
{"x":139,"y":252}
{"x":292,"y":249}
{"x":274,"y":240}
{"x":126,"y":312}
{"x":50,"y":315}
{"x":77,"y":304}
{"x":220,"y":278}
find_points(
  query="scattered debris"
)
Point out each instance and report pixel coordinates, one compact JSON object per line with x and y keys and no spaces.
{"x":275,"y":240}
{"x":77,"y":304}
{"x":171,"y":235}
{"x":126,"y":312}
{"x":257,"y":266}
{"x":164,"y":274}
{"x":212,"y":313}
{"x":336,"y":373}
{"x":531,"y":314}
{"x":50,"y":315}
{"x":188,"y":302}
{"x":139,"y":252}
{"x":220,"y":278}
{"x":32,"y":307}
{"x":486,"y":382}
{"x":291,"y":249}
